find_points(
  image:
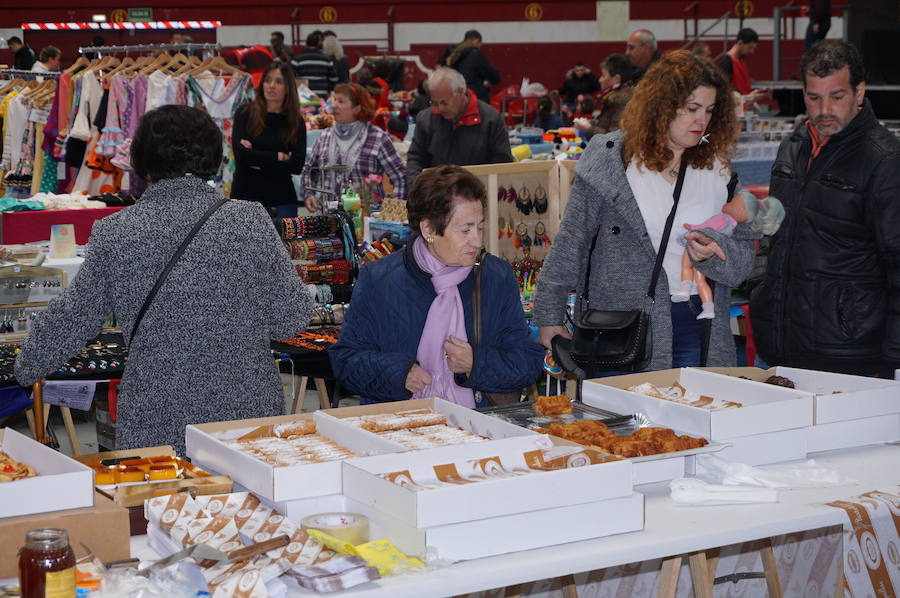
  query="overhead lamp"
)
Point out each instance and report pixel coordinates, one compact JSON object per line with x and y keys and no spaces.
{"x":98,"y":18}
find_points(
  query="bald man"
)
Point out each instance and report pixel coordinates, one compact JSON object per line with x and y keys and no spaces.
{"x":641,"y":52}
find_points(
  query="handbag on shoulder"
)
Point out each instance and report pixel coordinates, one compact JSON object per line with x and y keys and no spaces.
{"x":611,"y":340}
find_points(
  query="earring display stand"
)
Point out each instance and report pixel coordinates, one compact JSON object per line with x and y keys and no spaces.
{"x":532,"y":177}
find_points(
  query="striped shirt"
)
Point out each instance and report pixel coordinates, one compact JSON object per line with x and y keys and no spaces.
{"x":317,"y":69}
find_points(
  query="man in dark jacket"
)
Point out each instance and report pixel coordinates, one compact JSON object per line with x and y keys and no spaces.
{"x":316,"y":68}
{"x":459,"y":129}
{"x":830,"y":298}
{"x":641,"y":50}
{"x":579,"y":81}
{"x":470,"y":61}
{"x":23,"y":55}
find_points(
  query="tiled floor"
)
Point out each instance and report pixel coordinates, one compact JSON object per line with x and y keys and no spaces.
{"x":87,"y":434}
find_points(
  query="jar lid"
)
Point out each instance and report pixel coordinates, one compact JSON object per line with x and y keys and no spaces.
{"x":47,"y":539}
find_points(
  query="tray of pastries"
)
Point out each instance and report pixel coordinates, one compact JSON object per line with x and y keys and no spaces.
{"x":632,"y":436}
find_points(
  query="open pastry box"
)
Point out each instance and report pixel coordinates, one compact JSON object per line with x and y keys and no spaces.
{"x":199,"y":481}
{"x":838,"y":397}
{"x":60,"y":483}
{"x":457,"y":416}
{"x":208,"y":446}
{"x":762,"y":408}
{"x":467,"y":482}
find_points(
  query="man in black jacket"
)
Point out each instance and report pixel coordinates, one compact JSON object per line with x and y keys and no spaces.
{"x":458,"y":129}
{"x":23,"y":55}
{"x":470,"y":61}
{"x":830,"y":298}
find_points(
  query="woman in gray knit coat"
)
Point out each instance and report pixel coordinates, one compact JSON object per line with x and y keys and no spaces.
{"x":623,"y":193}
{"x":201,"y":353}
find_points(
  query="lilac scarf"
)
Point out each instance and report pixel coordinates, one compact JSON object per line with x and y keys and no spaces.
{"x":445,"y":319}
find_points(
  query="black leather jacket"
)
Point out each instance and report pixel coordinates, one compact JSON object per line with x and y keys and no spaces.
{"x":830,"y":298}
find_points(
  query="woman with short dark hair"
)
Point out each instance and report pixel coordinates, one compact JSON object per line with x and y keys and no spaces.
{"x":201,"y":352}
{"x":411,"y":330}
{"x":269,"y":141}
{"x":681,"y":112}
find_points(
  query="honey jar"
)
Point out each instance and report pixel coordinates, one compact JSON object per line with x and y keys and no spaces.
{"x":47,"y":565}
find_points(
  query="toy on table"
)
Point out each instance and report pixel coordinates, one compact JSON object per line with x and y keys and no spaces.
{"x":764,"y":215}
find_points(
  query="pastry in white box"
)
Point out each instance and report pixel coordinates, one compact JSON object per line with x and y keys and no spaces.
{"x":677,"y":393}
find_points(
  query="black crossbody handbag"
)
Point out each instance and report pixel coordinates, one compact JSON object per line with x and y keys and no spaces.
{"x":614,"y":341}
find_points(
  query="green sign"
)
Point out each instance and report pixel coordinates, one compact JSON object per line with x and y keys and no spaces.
{"x":140,"y":15}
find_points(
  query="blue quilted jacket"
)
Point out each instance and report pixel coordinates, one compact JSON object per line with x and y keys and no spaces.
{"x":381,"y":330}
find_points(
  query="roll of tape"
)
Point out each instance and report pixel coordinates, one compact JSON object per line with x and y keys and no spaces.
{"x":349,"y":527}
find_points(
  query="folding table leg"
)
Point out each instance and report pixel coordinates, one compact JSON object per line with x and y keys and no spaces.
{"x":712,"y":563}
{"x":513,"y":591}
{"x":70,"y":428}
{"x":770,"y":567}
{"x":668,"y":577}
{"x":569,"y":589}
{"x":324,"y":401}
{"x":700,"y":575}
{"x":299,"y":395}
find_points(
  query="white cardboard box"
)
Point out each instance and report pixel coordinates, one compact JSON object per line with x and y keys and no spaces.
{"x":462,"y":417}
{"x":487,"y":537}
{"x":764,"y":410}
{"x":838,"y":397}
{"x":771,"y":447}
{"x":61,"y":482}
{"x":275,"y":483}
{"x":854,"y":432}
{"x":494,"y":497}
{"x":512,"y":533}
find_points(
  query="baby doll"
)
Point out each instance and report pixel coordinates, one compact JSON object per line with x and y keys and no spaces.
{"x":764,"y":216}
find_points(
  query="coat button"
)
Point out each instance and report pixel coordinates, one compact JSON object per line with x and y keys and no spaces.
{"x":610,"y":144}
{"x":616,"y":230}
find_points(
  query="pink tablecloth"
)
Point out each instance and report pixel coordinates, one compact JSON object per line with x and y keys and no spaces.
{"x":26,"y":227}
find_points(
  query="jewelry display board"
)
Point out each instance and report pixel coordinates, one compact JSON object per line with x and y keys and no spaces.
{"x":25,"y":292}
{"x":522,"y":208}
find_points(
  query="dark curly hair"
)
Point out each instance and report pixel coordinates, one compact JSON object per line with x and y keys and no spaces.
{"x":432,"y":193}
{"x":661,"y":92}
{"x":172,"y":141}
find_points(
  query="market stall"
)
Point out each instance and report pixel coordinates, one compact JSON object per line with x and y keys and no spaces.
{"x":509,"y":505}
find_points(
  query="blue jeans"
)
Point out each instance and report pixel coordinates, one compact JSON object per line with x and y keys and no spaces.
{"x":287,"y":210}
{"x":686,"y":333}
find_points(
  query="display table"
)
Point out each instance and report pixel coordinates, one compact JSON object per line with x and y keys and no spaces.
{"x":27,"y":227}
{"x":669,"y":530}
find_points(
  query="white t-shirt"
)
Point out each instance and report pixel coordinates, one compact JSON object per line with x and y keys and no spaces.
{"x":703,"y":195}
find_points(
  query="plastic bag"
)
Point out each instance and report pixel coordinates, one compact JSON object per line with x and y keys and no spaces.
{"x":531,"y":90}
{"x":808,"y":474}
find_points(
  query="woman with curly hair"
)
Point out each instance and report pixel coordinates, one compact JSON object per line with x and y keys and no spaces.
{"x":621,"y":198}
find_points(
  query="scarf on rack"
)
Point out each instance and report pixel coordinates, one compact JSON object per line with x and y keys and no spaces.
{"x":346,"y":142}
{"x":445,"y":318}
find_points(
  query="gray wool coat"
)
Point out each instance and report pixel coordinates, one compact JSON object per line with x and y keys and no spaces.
{"x":623,"y":259}
{"x":202,"y":351}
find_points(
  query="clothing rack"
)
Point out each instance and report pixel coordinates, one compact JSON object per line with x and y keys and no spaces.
{"x":23,"y":74}
{"x":148,"y":48}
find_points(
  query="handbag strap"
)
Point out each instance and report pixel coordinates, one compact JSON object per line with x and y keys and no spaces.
{"x":660,"y":254}
{"x":476,"y":298}
{"x":172,"y":261}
